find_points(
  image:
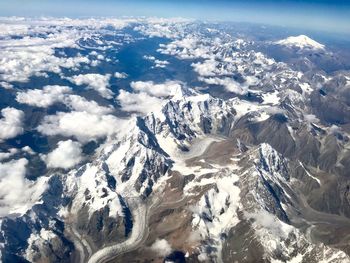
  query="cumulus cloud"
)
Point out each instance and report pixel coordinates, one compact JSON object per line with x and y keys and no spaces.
{"x":18,"y":194}
{"x":161,"y":247}
{"x":34,"y":53}
{"x":157,"y":62}
{"x":79,"y":103}
{"x":13,"y":151}
{"x":43,"y":97}
{"x":52,"y":94}
{"x":189,"y":47}
{"x":13,"y":29}
{"x":97,"y":82}
{"x":66,"y":155}
{"x":120,"y":75}
{"x":151,"y":58}
{"x":269,"y":222}
{"x":160,"y":63}
{"x":82,"y":125}
{"x":311,"y":118}
{"x":11,"y":124}
{"x":334,"y":129}
{"x":228,"y":83}
{"x":6,"y":85}
{"x":8,"y":154}
{"x":148,"y":96}
{"x":161,"y":27}
{"x":138,"y":102}
{"x":206,"y":68}
{"x":28,"y":150}
{"x":275,"y":110}
{"x":158,"y":90}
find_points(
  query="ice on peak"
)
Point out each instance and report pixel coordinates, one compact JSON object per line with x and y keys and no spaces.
{"x":270,"y":160}
{"x":266,"y":149}
{"x":301,"y":42}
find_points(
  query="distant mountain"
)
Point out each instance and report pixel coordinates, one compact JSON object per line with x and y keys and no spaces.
{"x":301,"y":42}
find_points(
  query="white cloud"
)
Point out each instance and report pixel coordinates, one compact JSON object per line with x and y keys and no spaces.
{"x":6,"y":85}
{"x":100,"y":57}
{"x":159,"y":90}
{"x":220,"y":60}
{"x":87,"y":121}
{"x":222,"y":66}
{"x":53,"y":94}
{"x":97,"y":82}
{"x":161,"y":63}
{"x":13,"y":29}
{"x":82,"y":125}
{"x":228,"y":83}
{"x":79,"y":103}
{"x":334,"y":129}
{"x":31,"y":55}
{"x":66,"y":155}
{"x":139,"y":102}
{"x":11,"y":124}
{"x":6,"y":155}
{"x":206,"y":68}
{"x":95,"y":63}
{"x":28,"y":150}
{"x":161,"y":247}
{"x":18,"y":194}
{"x":311,"y":118}
{"x":149,"y":96}
{"x":35,"y":52}
{"x":162,"y":27}
{"x":189,"y":47}
{"x":43,"y":97}
{"x":273,"y":110}
{"x":152,"y":58}
{"x":158,"y":63}
{"x":271,"y":223}
{"x":120,"y":75}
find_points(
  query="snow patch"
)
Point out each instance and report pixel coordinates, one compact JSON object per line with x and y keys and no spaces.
{"x":216,"y":213}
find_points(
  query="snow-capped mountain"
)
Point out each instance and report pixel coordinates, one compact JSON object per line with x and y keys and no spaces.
{"x":301,"y":42}
{"x":245,"y":159}
{"x":110,"y":198}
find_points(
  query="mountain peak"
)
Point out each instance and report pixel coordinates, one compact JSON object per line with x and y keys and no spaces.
{"x":301,"y":41}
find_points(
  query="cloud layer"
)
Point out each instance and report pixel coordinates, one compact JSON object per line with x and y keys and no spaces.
{"x":97,"y":82}
{"x":66,"y":155}
{"x":45,"y":97}
{"x":18,"y":194}
{"x":139,"y":102}
{"x":81,"y":125}
{"x":50,"y":95}
{"x":11,"y":124}
{"x":158,"y":90}
{"x":148,"y":96}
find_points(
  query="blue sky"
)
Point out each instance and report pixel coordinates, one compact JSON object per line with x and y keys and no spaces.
{"x":324,"y":15}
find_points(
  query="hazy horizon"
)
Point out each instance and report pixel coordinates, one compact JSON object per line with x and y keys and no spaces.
{"x":321,"y":15}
